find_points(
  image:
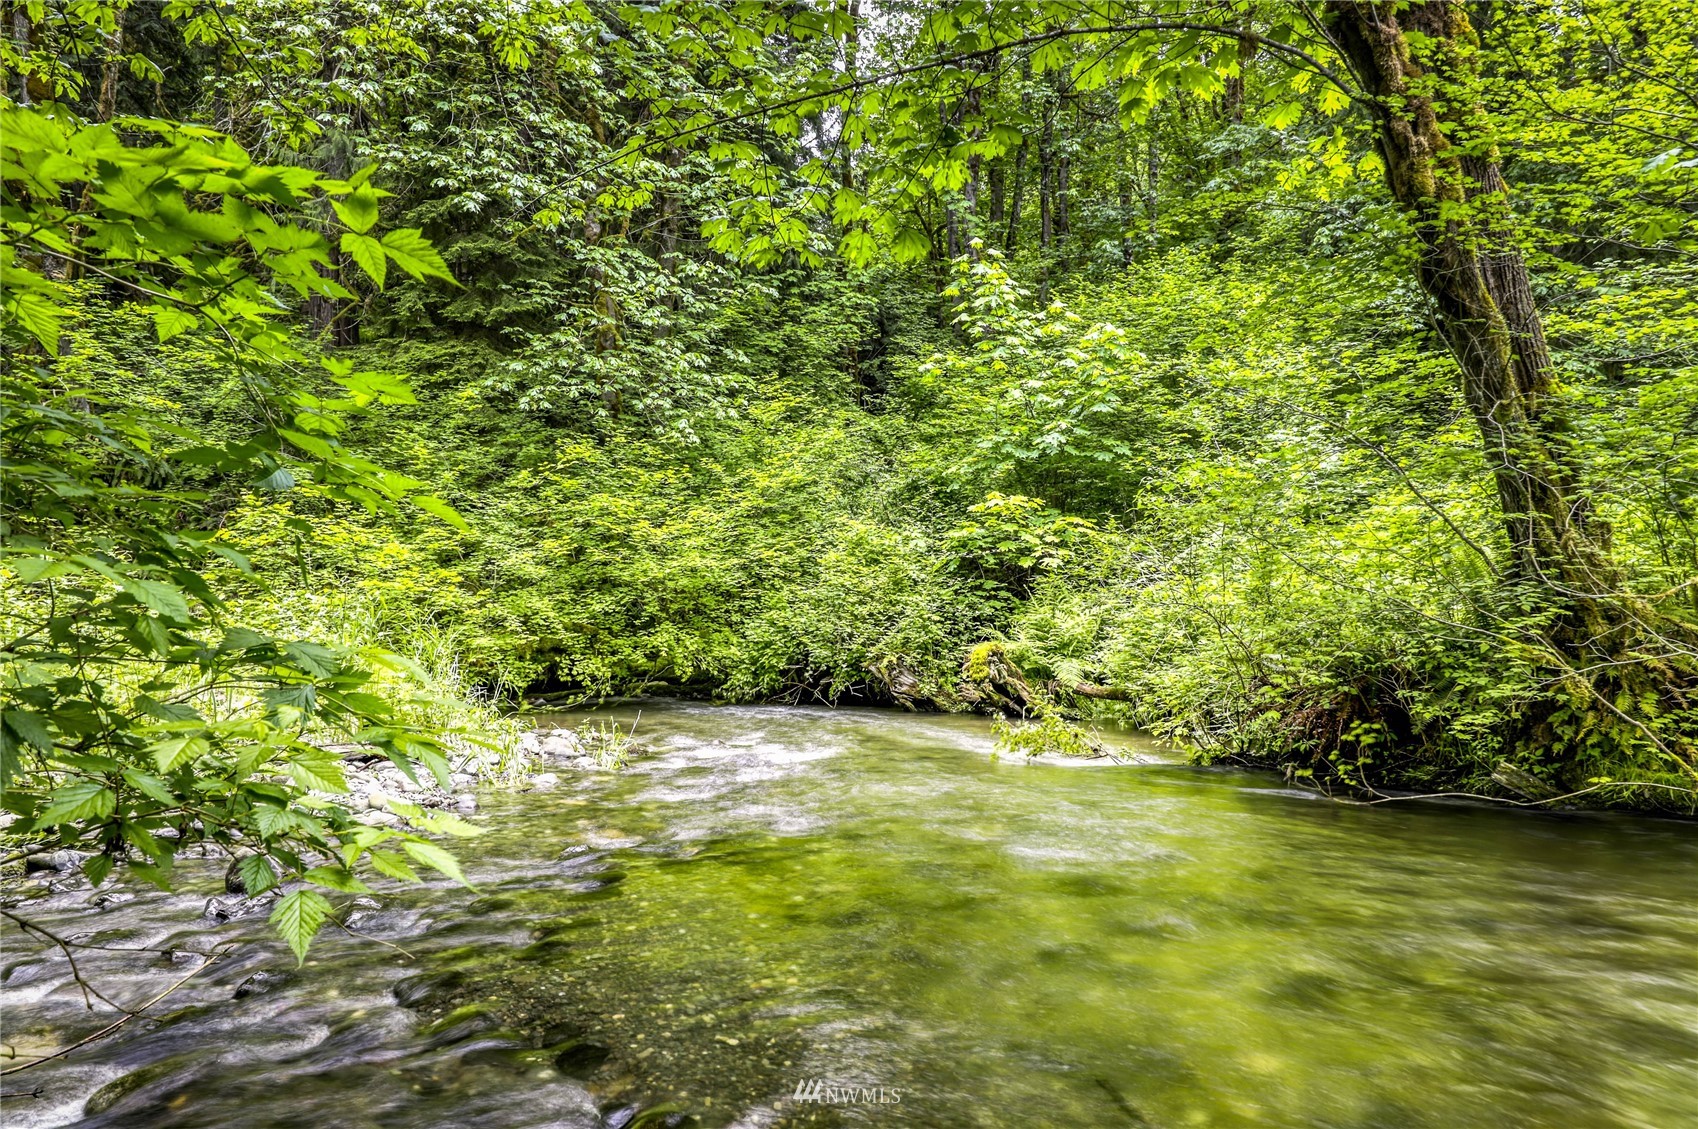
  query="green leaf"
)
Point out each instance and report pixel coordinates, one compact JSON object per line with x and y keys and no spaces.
{"x":442,"y":822}
{"x":11,"y":764}
{"x":35,"y":314}
{"x":393,"y":865}
{"x":910,"y":245}
{"x":273,"y":822}
{"x":28,"y":130}
{"x":413,"y":253}
{"x":436,"y":507}
{"x":278,"y":480}
{"x":258,"y":873}
{"x":321,"y":772}
{"x":97,"y":868}
{"x":312,"y":658}
{"x":358,"y":211}
{"x":166,"y":599}
{"x":30,"y":728}
{"x":368,"y":253}
{"x":71,"y":803}
{"x":33,"y":569}
{"x":171,"y":752}
{"x":150,"y":786}
{"x":336,"y":879}
{"x":157,"y":849}
{"x":436,"y":858}
{"x":299,"y":917}
{"x":1283,"y":116}
{"x":169,"y":321}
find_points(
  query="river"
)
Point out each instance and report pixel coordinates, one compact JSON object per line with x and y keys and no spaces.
{"x":789,"y":916}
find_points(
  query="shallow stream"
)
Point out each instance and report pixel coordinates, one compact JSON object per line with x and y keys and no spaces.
{"x":871,"y":907}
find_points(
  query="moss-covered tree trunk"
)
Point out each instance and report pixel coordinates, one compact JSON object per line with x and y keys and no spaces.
{"x":1633,"y":665}
{"x":1417,"y":64}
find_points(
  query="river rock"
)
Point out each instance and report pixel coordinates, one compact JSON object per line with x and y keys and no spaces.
{"x":417,"y":991}
{"x":231,"y":907}
{"x":260,"y":983}
{"x":544,"y":780}
{"x":376,"y":818}
{"x":466,"y":804}
{"x":620,"y":1117}
{"x":580,"y":1057}
{"x":107,"y":898}
{"x":55,"y":862}
{"x":461,"y":1024}
{"x":114,"y":1092}
{"x":561,"y":743}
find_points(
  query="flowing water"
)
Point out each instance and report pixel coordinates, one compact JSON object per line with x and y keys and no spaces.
{"x":871,"y":906}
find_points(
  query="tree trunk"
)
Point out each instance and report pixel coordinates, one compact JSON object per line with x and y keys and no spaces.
{"x":1062,"y":196}
{"x":1126,"y":253}
{"x":1063,"y":168}
{"x":21,"y":40}
{"x":971,"y":107}
{"x":110,"y":69}
{"x":1019,"y":159}
{"x":1443,"y":169}
{"x":1046,"y":181}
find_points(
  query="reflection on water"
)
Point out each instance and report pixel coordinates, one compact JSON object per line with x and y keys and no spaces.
{"x":869,"y":899}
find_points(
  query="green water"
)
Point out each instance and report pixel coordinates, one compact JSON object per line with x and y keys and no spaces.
{"x":869,"y":899}
{"x":872,"y":900}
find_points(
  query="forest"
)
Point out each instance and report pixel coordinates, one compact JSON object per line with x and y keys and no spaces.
{"x":1311,"y":387}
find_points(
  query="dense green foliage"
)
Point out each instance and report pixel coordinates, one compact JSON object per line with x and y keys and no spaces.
{"x":141,"y":713}
{"x":795,"y":353}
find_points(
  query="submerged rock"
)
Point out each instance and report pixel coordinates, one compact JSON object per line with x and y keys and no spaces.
{"x":107,"y":898}
{"x":116,"y":1091}
{"x":259,"y":984}
{"x":231,"y":907}
{"x":461,"y":1024}
{"x":580,"y":1057}
{"x":417,"y":991}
